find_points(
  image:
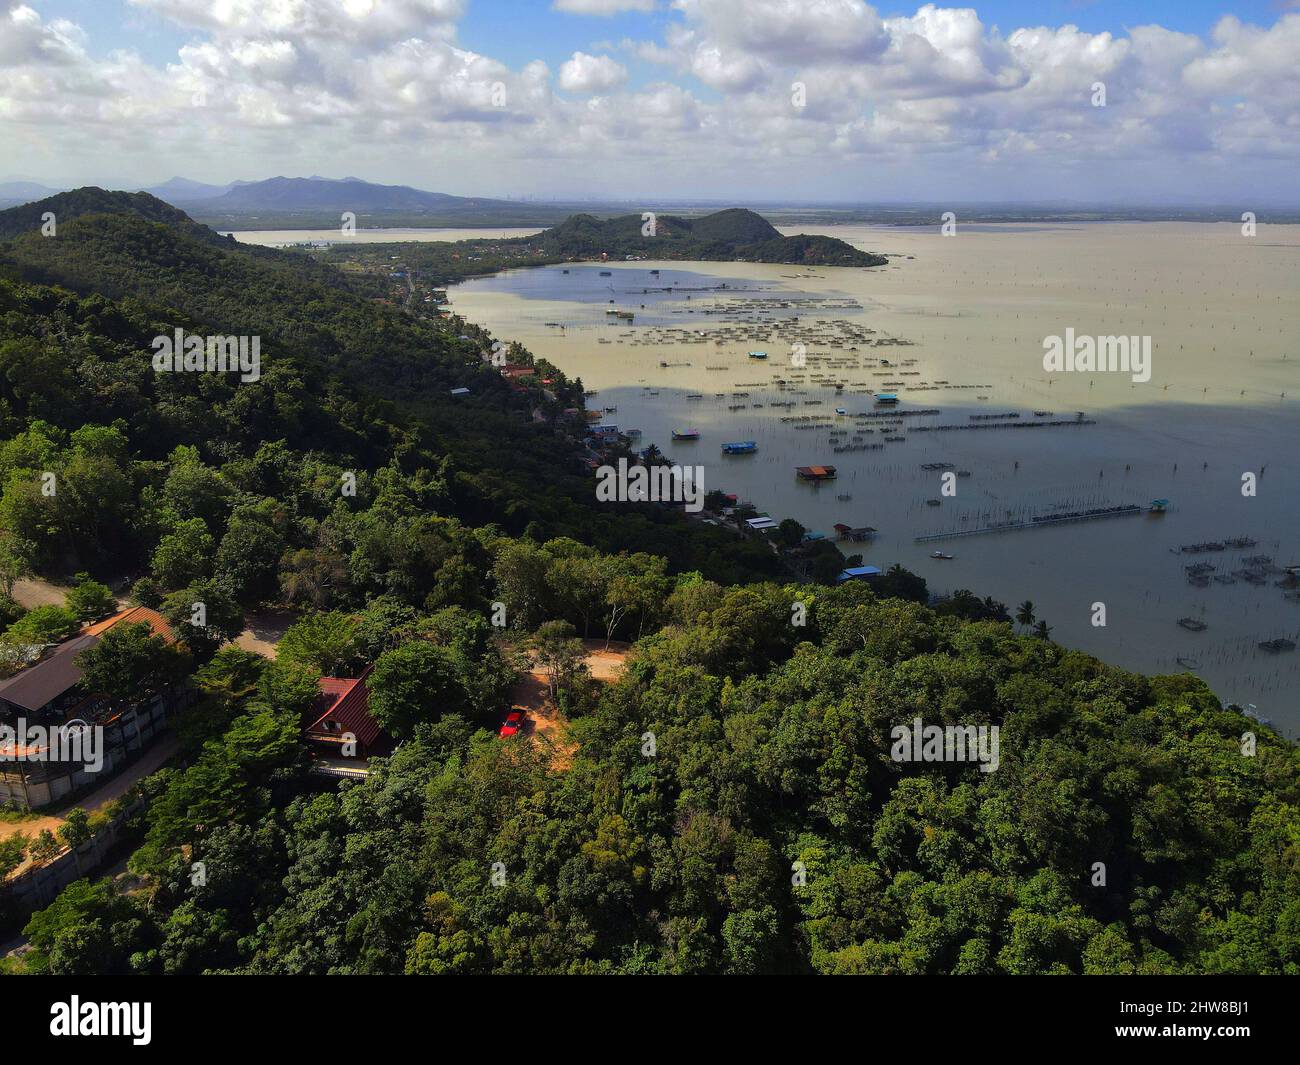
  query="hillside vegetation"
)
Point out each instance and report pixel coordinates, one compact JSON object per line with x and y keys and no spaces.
{"x":730,"y":805}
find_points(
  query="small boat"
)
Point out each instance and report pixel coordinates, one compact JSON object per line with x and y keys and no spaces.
{"x":1274,"y":646}
{"x":758,"y":354}
{"x":1188,"y":663}
{"x":654,"y":273}
{"x":740,"y":447}
{"x":611,"y":410}
{"x":841,"y":411}
{"x":886,"y":399}
{"x":934,"y":502}
{"x":686,"y":434}
{"x":939,"y":554}
{"x":607,"y":273}
{"x":1192,"y":624}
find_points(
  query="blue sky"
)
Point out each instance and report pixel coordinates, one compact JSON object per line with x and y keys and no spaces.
{"x":520,"y":30}
{"x":929,"y":102}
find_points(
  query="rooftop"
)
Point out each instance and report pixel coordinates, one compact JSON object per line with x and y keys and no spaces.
{"x":39,"y":685}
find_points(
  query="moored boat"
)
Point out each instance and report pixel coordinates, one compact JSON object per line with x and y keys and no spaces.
{"x":740,"y":447}
{"x":686,"y":434}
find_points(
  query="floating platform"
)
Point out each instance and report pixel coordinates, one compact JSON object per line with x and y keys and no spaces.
{"x":1095,"y":514}
{"x":815,"y":473}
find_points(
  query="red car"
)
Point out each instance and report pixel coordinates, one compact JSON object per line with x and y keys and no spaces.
{"x":513,"y":723}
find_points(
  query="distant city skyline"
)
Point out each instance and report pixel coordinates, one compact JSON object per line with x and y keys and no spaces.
{"x":809,"y":101}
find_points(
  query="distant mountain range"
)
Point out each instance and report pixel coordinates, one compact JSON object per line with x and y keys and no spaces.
{"x":318,"y":202}
{"x":13,"y":193}
{"x":285,"y":202}
{"x":183,"y":190}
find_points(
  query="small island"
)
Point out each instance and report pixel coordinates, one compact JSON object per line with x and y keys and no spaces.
{"x":733,"y":235}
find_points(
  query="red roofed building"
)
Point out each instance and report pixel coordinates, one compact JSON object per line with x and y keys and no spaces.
{"x":340,"y":717}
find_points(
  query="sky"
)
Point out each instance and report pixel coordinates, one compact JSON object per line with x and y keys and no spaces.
{"x":1191,"y":101}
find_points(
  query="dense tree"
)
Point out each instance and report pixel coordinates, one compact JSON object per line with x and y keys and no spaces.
{"x":325,"y":641}
{"x":13,"y":849}
{"x":184,"y":555}
{"x":129,"y":662}
{"x":204,"y":616}
{"x":44,"y":624}
{"x":89,"y":599}
{"x":412,"y":684}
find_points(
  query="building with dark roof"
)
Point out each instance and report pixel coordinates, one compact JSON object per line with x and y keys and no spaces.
{"x":49,"y":693}
{"x":51,"y":683}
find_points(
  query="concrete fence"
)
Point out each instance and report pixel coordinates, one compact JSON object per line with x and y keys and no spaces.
{"x":37,"y":887}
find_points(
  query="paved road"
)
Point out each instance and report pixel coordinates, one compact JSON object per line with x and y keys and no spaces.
{"x":151,"y":761}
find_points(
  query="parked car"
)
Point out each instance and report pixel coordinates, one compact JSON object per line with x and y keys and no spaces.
{"x":513,"y":723}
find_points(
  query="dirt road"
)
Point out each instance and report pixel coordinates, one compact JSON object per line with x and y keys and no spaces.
{"x":532,"y":692}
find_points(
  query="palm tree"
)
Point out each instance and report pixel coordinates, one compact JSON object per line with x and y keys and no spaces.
{"x":652,"y":454}
{"x":1043,"y":630}
{"x":1025,"y":614}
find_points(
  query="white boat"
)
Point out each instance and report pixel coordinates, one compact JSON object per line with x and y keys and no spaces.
{"x":939,"y":554}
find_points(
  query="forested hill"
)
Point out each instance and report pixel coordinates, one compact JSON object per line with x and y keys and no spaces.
{"x":65,"y":206}
{"x":732,"y":804}
{"x":347,"y":380}
{"x":733,"y":234}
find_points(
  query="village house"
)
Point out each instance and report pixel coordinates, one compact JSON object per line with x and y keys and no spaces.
{"x":50,"y":694}
{"x":339,"y":729}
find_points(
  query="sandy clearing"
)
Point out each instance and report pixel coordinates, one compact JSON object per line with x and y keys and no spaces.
{"x":264,"y":632}
{"x":33,"y":592}
{"x":532,"y":693}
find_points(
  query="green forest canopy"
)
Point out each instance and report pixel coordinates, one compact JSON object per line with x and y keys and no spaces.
{"x":731,"y":805}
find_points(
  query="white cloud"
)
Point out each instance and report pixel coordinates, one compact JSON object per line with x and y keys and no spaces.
{"x":356,"y":20}
{"x":268,"y":85}
{"x":591,"y":73}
